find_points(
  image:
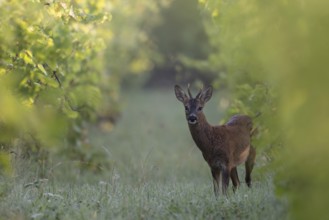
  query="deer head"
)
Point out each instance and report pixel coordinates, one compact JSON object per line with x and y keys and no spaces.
{"x":193,"y":106}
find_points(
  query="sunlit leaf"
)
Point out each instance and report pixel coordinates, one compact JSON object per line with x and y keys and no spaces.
{"x":71,"y":13}
{"x":27,"y":56}
{"x":40,"y":67}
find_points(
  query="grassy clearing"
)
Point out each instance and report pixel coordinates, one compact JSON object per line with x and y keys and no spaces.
{"x":157,"y":173}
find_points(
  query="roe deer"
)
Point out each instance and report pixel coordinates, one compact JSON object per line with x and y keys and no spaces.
{"x":224,"y":147}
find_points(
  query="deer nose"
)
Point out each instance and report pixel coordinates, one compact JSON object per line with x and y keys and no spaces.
{"x":192,"y":119}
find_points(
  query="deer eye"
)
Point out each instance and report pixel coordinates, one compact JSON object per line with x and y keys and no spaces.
{"x":200,"y":108}
{"x":186,"y":108}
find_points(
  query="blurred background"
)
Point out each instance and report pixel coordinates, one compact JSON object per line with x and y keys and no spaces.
{"x":86,"y":89}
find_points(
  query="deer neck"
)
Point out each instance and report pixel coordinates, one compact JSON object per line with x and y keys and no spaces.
{"x":201,"y":133}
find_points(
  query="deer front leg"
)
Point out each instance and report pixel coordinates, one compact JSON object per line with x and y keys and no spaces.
{"x":215,"y":177}
{"x":225,"y":179}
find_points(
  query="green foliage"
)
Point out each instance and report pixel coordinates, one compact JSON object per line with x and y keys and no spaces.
{"x":62,"y":66}
{"x":282,"y":43}
{"x":232,"y":36}
{"x":177,"y":32}
{"x":129,"y":52}
{"x":51,"y":65}
{"x":129,"y":47}
{"x":180,"y":41}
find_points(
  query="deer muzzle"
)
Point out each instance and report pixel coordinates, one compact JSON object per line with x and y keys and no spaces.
{"x":192,"y":119}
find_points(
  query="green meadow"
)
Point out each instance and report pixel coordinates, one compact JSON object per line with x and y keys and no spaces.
{"x":156,"y":172}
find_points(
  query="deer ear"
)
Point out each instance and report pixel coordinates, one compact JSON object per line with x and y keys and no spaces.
{"x":180,"y":94}
{"x":206,"y":94}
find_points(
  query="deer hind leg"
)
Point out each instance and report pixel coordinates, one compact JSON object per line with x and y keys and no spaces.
{"x":235,"y":178}
{"x":250,"y":165}
{"x":216,"y":176}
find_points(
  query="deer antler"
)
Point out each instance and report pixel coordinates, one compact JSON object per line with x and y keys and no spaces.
{"x":199,"y":94}
{"x":188,"y":90}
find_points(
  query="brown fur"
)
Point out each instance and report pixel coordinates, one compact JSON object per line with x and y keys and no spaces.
{"x":224,"y":147}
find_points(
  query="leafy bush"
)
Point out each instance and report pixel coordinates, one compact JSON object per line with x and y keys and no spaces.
{"x":232,"y":38}
{"x":51,"y":63}
{"x":277,"y":53}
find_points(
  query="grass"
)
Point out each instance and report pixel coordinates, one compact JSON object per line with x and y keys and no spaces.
{"x":157,"y":173}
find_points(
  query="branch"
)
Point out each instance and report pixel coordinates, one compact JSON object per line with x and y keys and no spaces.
{"x":57,"y":79}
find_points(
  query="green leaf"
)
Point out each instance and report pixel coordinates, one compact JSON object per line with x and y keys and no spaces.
{"x":69,"y":112}
{"x":40,"y":67}
{"x":27,"y":57}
